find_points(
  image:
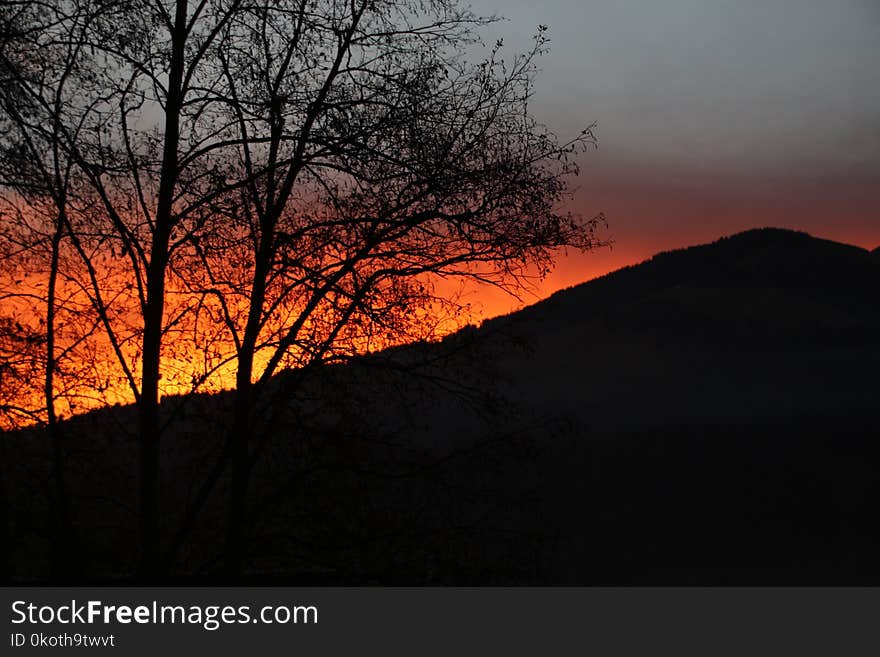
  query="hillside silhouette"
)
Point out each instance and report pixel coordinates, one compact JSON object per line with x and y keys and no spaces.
{"x":767,"y":323}
{"x":705,"y":417}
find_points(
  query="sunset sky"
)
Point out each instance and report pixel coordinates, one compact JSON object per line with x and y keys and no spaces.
{"x":713,"y":116}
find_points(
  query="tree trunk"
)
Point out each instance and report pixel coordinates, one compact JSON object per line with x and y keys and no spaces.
{"x":234,"y":556}
{"x":60,"y":503}
{"x":149,"y":421}
{"x":155,"y":307}
{"x":239,"y":440}
{"x":243,"y":415}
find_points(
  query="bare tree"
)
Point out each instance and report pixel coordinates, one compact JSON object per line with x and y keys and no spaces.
{"x":373,"y":159}
{"x":37,"y":75}
{"x":70,"y":107}
{"x":274,"y":184}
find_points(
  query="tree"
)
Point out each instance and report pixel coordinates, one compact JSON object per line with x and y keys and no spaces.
{"x":285,"y":183}
{"x":37,"y":74}
{"x":373,"y":159}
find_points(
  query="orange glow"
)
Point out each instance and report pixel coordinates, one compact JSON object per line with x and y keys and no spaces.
{"x":645,"y":216}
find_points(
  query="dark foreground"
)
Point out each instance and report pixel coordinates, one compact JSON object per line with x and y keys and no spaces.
{"x":707,"y":417}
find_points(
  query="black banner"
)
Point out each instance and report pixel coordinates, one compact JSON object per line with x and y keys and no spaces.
{"x":443,"y":621}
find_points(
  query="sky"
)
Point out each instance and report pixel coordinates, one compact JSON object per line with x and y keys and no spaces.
{"x":713,"y":116}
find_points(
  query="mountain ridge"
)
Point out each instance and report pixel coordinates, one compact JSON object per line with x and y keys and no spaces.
{"x":724,"y":257}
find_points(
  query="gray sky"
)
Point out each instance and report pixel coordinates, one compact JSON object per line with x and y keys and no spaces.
{"x":734,"y":85}
{"x":713,"y":115}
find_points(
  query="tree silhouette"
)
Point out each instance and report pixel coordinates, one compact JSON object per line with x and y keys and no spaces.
{"x":38,"y":76}
{"x":273,"y":184}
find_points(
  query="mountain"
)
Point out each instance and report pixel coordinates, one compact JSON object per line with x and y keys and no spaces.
{"x":726,"y":397}
{"x":705,"y":417}
{"x":768,"y":322}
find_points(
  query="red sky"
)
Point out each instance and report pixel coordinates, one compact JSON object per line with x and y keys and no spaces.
{"x":651,"y":213}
